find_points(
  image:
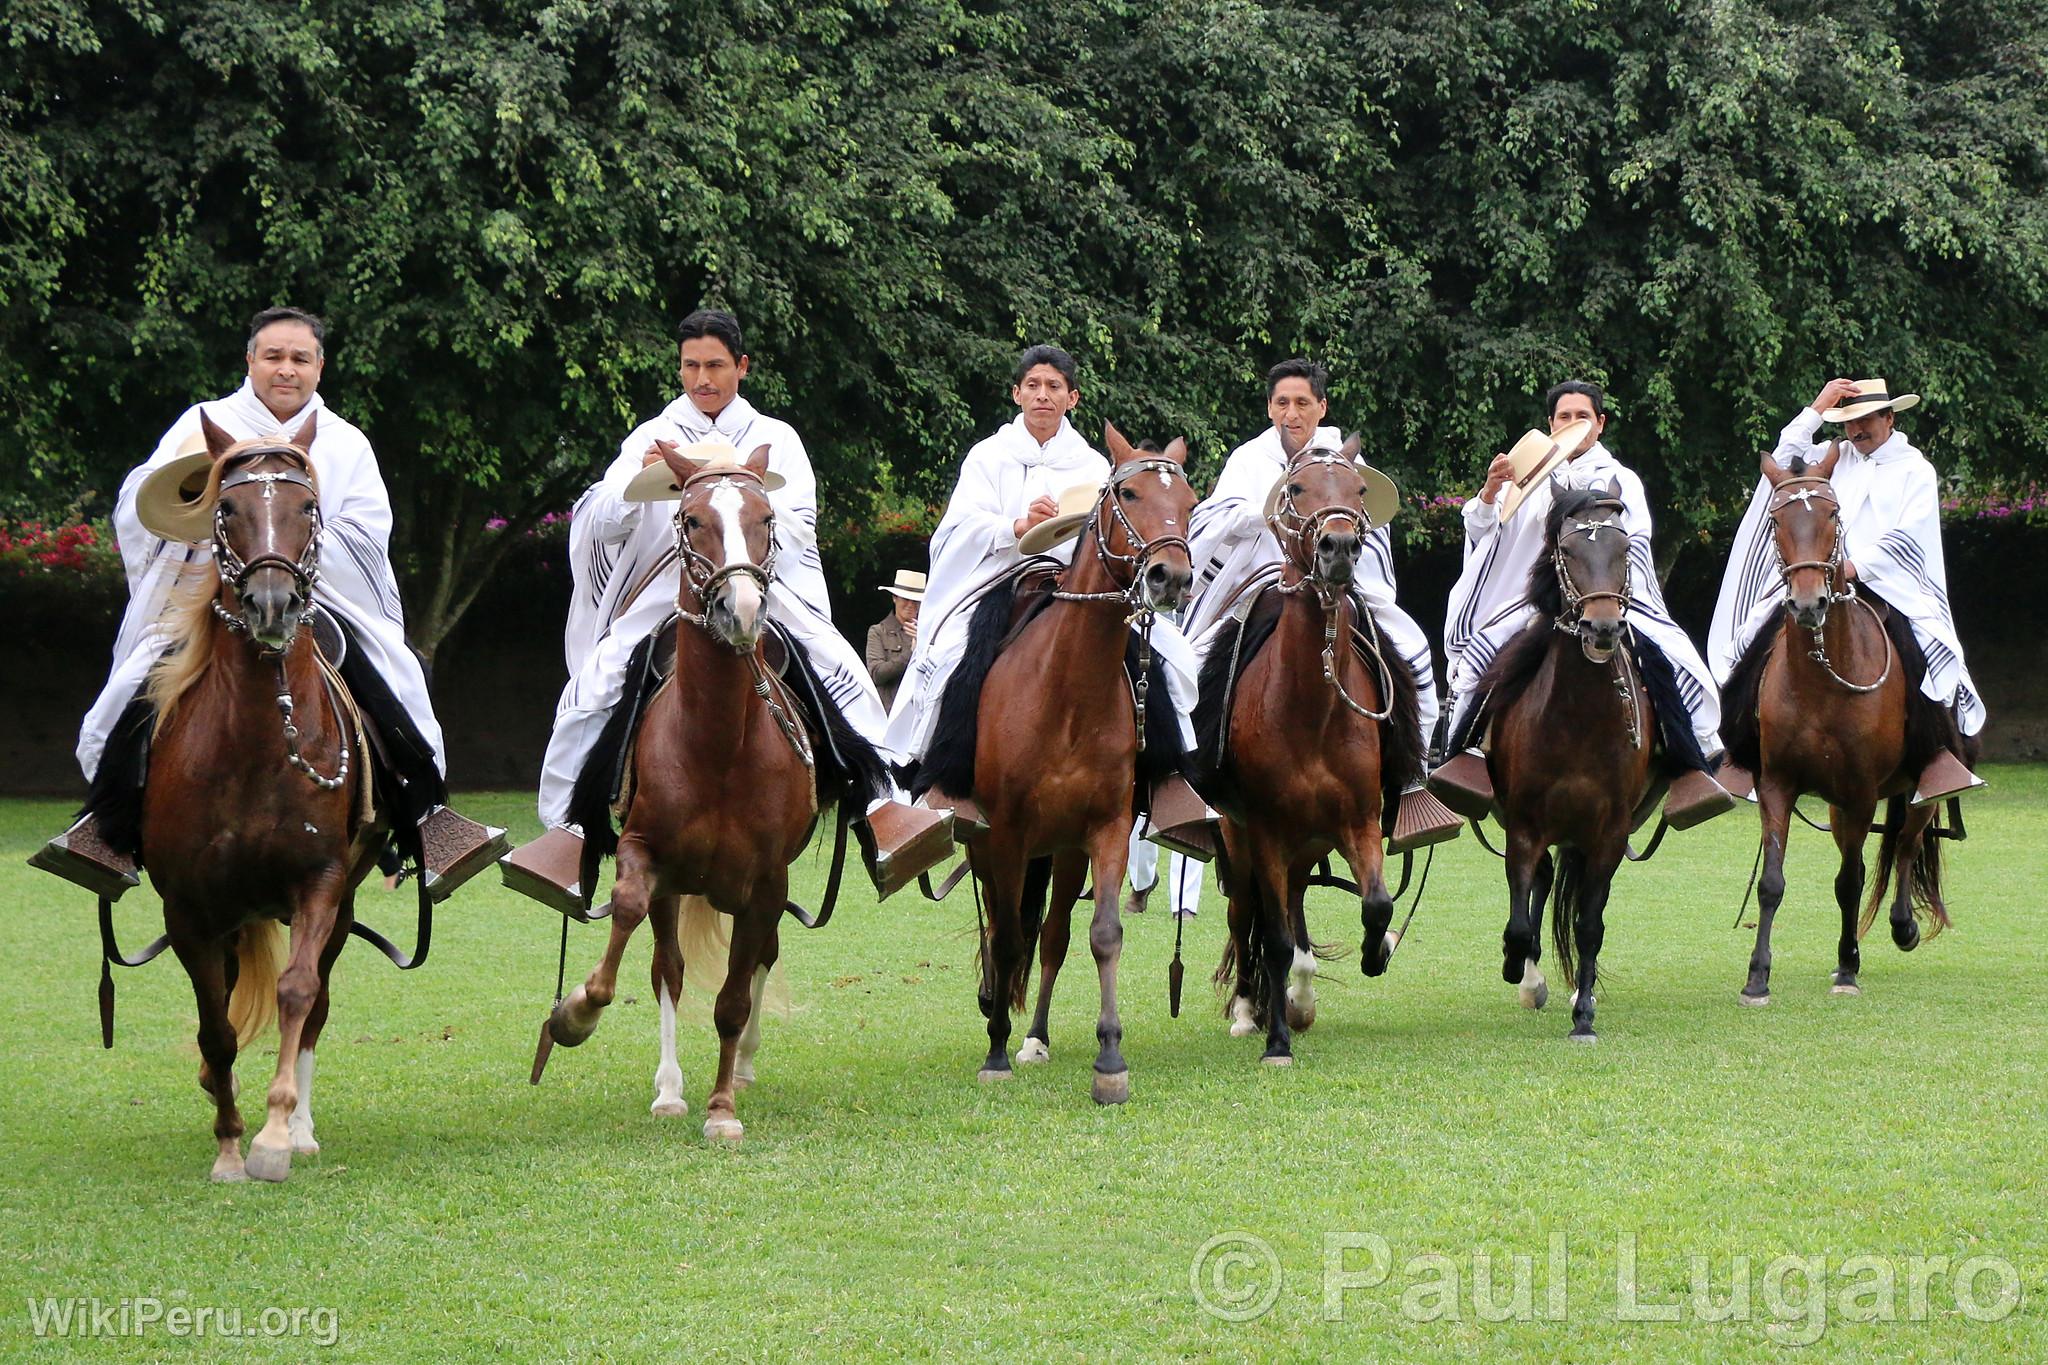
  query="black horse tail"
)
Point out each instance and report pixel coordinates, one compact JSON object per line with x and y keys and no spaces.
{"x":1567,"y":889}
{"x":1257,"y":982}
{"x":1921,"y":877}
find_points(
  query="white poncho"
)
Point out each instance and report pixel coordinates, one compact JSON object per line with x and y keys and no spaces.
{"x":356,"y":582}
{"x":1891,"y":517}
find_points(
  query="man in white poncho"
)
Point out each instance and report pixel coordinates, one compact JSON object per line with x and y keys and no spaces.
{"x":626,"y":579}
{"x":1009,"y":484}
{"x":1891,"y":524}
{"x":1489,"y":606}
{"x":285,"y":359}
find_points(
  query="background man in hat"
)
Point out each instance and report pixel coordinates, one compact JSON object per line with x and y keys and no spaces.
{"x":1489,"y":605}
{"x":285,"y":358}
{"x":1891,"y":525}
{"x":891,"y":638}
{"x":626,"y":578}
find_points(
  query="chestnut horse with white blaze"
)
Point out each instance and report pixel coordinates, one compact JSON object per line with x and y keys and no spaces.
{"x":248,"y":822}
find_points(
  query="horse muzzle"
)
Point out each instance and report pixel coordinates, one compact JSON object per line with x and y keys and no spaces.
{"x":1809,"y":613}
{"x":1166,"y":584}
{"x":1337,"y":556}
{"x":736,"y":614}
{"x":273,"y":601}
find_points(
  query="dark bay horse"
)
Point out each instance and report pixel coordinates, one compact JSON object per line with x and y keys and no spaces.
{"x":1055,"y":748}
{"x":1821,"y":705}
{"x":726,"y":780}
{"x":1573,"y":724}
{"x":250,"y":818}
{"x":1316,"y":733}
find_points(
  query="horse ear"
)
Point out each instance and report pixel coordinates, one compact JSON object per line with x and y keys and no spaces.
{"x":217,"y":441}
{"x":1826,"y":468}
{"x":1614,"y":489}
{"x":1352,"y":445}
{"x":1119,"y":449}
{"x":304,"y":440}
{"x":678,"y":464}
{"x":1177,"y":451}
{"x":1774,"y":473}
{"x":758,"y":461}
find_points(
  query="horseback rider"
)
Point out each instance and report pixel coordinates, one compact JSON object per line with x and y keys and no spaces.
{"x":1006,"y":508}
{"x":1891,"y":527}
{"x":1232,"y":543}
{"x":626,"y":577}
{"x":1489,"y":605}
{"x":285,"y":357}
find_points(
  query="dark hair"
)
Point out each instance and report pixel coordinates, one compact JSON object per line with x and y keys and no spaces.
{"x":1579,"y":386}
{"x":1048,"y":355}
{"x":1318,"y":378}
{"x":274,"y":315}
{"x":713,"y":322}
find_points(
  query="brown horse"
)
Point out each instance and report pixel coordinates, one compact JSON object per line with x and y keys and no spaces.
{"x":1573,"y":724}
{"x":249,"y":821}
{"x":1055,"y":744}
{"x":1312,"y":727}
{"x":725,"y":788}
{"x":1830,"y":689}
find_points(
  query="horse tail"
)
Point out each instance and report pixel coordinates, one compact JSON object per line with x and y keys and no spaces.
{"x":1567,"y":889}
{"x":1921,"y":877}
{"x":704,"y":937}
{"x":259,"y":960}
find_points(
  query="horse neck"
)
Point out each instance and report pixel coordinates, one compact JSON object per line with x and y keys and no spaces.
{"x":1853,"y":639}
{"x":1580,"y":697}
{"x":720,"y":682}
{"x":231,"y":712}
{"x":1297,"y":647}
{"x":1085,"y":627}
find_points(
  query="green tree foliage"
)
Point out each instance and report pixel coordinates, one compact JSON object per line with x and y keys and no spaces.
{"x":1712,"y":205}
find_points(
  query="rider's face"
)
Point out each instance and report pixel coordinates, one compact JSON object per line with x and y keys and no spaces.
{"x":1044,"y":397}
{"x":711,"y":374}
{"x":284,"y":366}
{"x":1577,"y":407}
{"x":1296,"y":412}
{"x":1870,"y":431}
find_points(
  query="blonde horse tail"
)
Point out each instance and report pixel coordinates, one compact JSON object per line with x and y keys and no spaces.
{"x":705,"y":937}
{"x":260,"y":955}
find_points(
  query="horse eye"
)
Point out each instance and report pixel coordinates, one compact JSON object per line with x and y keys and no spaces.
{"x":1128,"y":495}
{"x":1295,"y":490}
{"x":692,"y":524}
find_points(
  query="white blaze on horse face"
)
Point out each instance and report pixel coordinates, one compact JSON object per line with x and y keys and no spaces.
{"x":668,"y":1076}
{"x":742,"y":593}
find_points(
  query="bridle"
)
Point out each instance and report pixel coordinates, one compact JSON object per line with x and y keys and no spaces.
{"x":1137,"y":560}
{"x":1299,"y":531}
{"x":1812,"y":488}
{"x":235,"y":573}
{"x":1572,"y":620}
{"x":706,"y":578}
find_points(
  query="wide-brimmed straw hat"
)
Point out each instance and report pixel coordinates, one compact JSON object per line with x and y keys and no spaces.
{"x":909,"y":585}
{"x":172,"y":500}
{"x":658,"y":483}
{"x":1534,"y":457}
{"x":1382,"y":498}
{"x":1872,"y":395}
{"x":1076,"y":503}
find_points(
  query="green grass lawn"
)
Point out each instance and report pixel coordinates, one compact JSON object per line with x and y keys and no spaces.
{"x":886,"y":1204}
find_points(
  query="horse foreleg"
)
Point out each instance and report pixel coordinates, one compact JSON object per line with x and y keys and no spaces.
{"x":1774,"y":801}
{"x":1906,"y":872}
{"x":1110,"y":850}
{"x":1851,"y":827}
{"x":1269,"y":935}
{"x":753,"y":942}
{"x":1069,"y":875}
{"x":1589,"y":930}
{"x":1001,"y":872}
{"x":1521,"y":943}
{"x":1241,"y":917}
{"x":300,"y":1124}
{"x":750,"y":1037}
{"x":316,"y":913}
{"x":666,"y":974}
{"x":207,"y":965}
{"x":575,"y":1018}
{"x":1365,"y":850}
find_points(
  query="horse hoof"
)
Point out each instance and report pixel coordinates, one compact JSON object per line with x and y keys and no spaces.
{"x":1587,"y":1036}
{"x":1534,"y":997}
{"x":669,"y":1109}
{"x":1242,"y":1028}
{"x":989,"y":1075}
{"x":567,"y":1034}
{"x":726,"y":1130}
{"x":1757,"y":1001}
{"x":1033,"y":1051}
{"x":1241,"y":1022}
{"x":1393,"y":942}
{"x":1844,"y":985}
{"x":305,"y":1146}
{"x":1907,"y":937}
{"x":227,"y":1171}
{"x":268,"y":1163}
{"x":1299,"y":1020}
{"x":1278,"y":1059}
{"x":1113,"y":1088}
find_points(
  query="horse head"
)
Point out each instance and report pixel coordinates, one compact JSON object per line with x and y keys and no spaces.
{"x":1589,"y":552}
{"x":1142,"y":522}
{"x":1806,"y":532}
{"x":725,"y":533}
{"x":266,"y":530}
{"x":1318,"y":513}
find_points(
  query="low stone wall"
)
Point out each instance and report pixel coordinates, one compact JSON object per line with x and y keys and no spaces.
{"x":500,"y":673}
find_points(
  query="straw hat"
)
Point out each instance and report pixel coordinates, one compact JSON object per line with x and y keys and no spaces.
{"x":1382,"y":498}
{"x":1534,"y":457}
{"x":172,"y":500}
{"x":909,"y":585}
{"x":1871,"y":396}
{"x":1076,"y":505}
{"x":658,"y":483}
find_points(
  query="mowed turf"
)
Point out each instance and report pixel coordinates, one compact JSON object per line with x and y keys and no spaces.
{"x":885,"y":1204}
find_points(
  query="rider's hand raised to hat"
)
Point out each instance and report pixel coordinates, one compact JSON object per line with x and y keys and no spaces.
{"x":654,"y":452}
{"x":1498,"y":474}
{"x":1041,"y":508}
{"x":1832,"y":395}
